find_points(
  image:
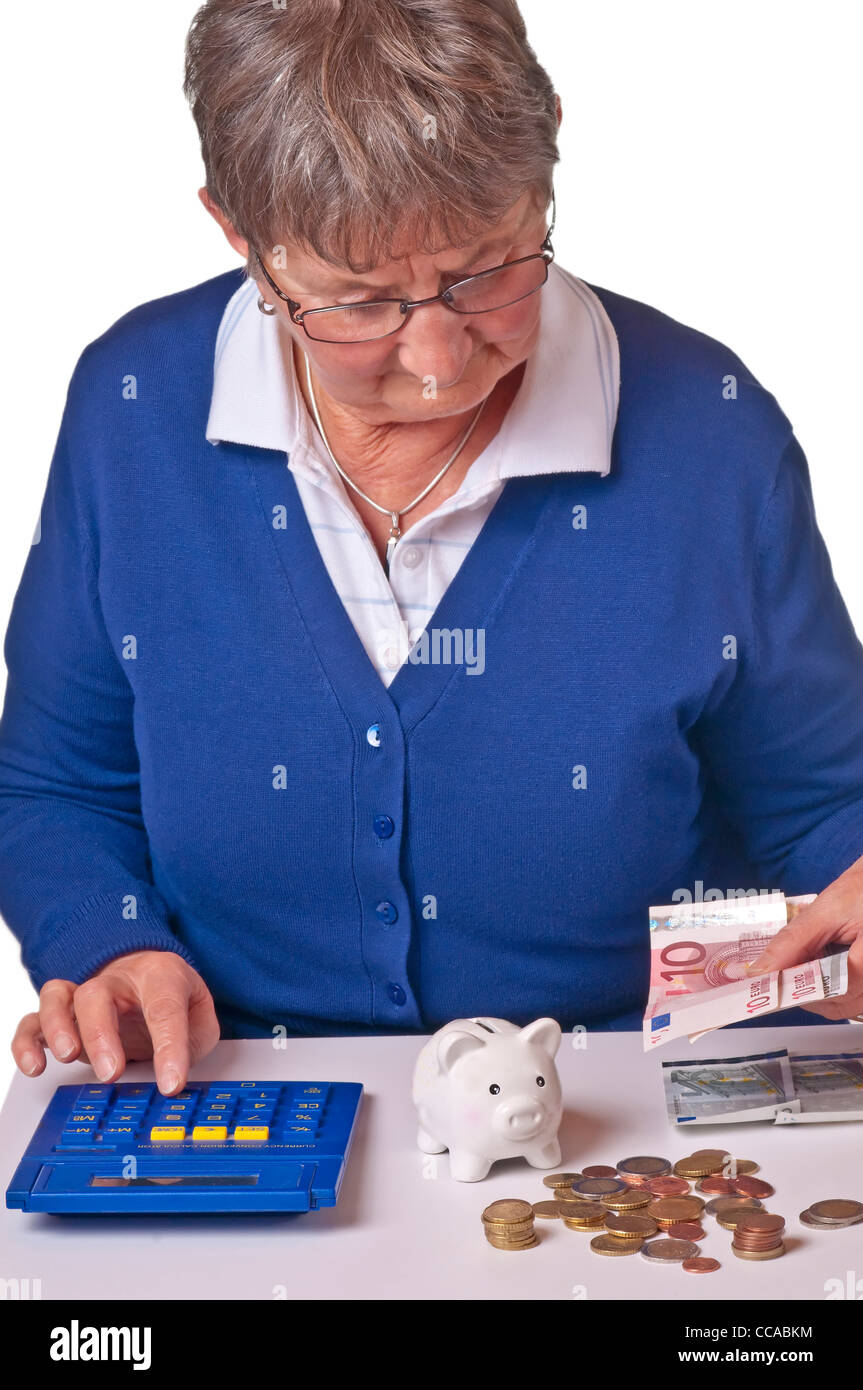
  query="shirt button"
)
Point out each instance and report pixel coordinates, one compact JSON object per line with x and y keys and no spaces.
{"x":411,"y":557}
{"x":373,"y":734}
{"x":388,"y":912}
{"x":384,"y":826}
{"x":396,"y":993}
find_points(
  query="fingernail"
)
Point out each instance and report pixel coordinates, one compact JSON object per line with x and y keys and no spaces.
{"x":760,"y":966}
{"x":29,"y":1063}
{"x":104,"y":1067}
{"x":63,"y":1045}
{"x":169,"y":1082}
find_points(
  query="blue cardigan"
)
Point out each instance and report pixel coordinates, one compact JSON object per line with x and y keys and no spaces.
{"x":196,"y":754}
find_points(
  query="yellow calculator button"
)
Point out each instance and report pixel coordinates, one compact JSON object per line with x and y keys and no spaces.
{"x":255,"y":1134}
{"x":212,"y":1134}
{"x":167,"y":1134}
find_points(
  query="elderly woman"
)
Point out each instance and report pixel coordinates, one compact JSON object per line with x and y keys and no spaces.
{"x":408,"y":614}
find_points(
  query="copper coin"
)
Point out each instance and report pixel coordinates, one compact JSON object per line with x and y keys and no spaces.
{"x":766,"y":1222}
{"x":633,"y":1180}
{"x":685,"y":1230}
{"x":717,"y":1187}
{"x":668,"y":1187}
{"x":700,"y":1265}
{"x":753,"y":1187}
{"x":599,"y":1170}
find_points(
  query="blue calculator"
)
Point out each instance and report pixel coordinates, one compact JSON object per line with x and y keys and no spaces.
{"x":218,"y":1146}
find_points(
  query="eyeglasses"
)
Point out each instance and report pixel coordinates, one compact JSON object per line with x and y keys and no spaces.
{"x":368,"y":320}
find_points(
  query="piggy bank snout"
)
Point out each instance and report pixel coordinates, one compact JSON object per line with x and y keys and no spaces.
{"x":520,"y":1117}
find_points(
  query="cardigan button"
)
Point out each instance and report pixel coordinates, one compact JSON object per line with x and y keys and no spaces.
{"x":387,"y":912}
{"x":384,"y":826}
{"x":373,"y":734}
{"x":396,"y":993}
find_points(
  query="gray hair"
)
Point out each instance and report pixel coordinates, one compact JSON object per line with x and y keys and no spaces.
{"x":341,"y":125}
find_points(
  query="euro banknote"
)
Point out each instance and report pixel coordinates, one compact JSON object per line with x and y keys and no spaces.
{"x":699,"y":958}
{"x":787,"y":1089}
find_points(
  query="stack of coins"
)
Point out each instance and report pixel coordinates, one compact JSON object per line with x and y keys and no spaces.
{"x":583,"y":1216}
{"x":508,"y":1225}
{"x":758,"y":1236}
{"x":832,"y":1214}
{"x":701,"y":1164}
{"x":641,"y":1169}
{"x":728,"y":1210}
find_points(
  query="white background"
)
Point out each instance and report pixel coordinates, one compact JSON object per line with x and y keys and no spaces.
{"x":710,"y":166}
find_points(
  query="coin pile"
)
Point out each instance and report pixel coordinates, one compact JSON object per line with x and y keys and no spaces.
{"x":645,"y":1205}
{"x":832,"y":1214}
{"x":758,"y":1236}
{"x":508,"y":1225}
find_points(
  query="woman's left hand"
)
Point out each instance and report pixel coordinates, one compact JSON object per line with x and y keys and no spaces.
{"x":835,"y":915}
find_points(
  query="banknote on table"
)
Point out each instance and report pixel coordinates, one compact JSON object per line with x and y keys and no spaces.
{"x":698,"y":966}
{"x":827,"y":1086}
{"x":725,"y":1089}
{"x":787,"y":1089}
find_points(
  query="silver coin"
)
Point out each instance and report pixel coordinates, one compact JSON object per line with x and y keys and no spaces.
{"x":644,"y":1166}
{"x":716,"y":1207}
{"x":596,"y":1188}
{"x":669,"y":1251}
{"x":837,"y":1209}
{"x":807,"y":1219}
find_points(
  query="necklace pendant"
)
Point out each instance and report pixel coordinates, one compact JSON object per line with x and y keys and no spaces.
{"x":394,"y":538}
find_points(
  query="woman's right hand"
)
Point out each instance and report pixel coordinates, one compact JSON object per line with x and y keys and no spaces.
{"x":147,"y":1004}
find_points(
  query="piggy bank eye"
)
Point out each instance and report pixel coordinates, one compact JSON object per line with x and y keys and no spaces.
{"x":494,"y":1088}
{"x":540,"y":1081}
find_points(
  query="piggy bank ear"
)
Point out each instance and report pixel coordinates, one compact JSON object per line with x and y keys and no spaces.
{"x":455,"y":1044}
{"x":544,"y":1033}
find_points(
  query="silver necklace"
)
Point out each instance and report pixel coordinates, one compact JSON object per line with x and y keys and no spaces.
{"x":395,"y":516}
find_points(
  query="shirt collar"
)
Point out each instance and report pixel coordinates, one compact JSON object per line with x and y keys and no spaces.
{"x":561,"y":421}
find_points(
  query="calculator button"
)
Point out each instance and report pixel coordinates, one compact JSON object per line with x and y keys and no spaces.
{"x":95,"y":1092}
{"x":167,"y":1134}
{"x":251,"y":1134}
{"x":209,"y":1134}
{"x":78,"y":1134}
{"x":113,"y":1132}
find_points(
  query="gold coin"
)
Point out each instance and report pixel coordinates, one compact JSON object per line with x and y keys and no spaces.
{"x":696,"y":1167}
{"x":759,"y":1254}
{"x":582,"y":1211}
{"x":630,"y":1226}
{"x":551,"y":1211}
{"x":615,"y":1245}
{"x":672,"y":1209}
{"x":508,"y":1211}
{"x":744,"y":1167}
{"x":501,"y":1245}
{"x":597,"y":1224}
{"x":561,"y":1179}
{"x":632,"y":1200}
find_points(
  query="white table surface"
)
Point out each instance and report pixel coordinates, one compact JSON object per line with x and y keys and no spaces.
{"x":403,"y":1229}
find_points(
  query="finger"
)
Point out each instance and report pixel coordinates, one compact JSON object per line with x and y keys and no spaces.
{"x":96,"y":1012}
{"x":204,"y":1030}
{"x":58,"y":1020}
{"x":164,"y":998}
{"x":803,"y":939}
{"x":27,"y":1046}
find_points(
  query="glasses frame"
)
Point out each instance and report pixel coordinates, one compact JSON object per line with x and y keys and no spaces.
{"x":546,"y":253}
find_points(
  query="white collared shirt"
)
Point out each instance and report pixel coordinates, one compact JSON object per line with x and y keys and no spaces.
{"x":561,"y":421}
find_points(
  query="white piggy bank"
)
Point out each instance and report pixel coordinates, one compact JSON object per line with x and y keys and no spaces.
{"x":485,"y":1089}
